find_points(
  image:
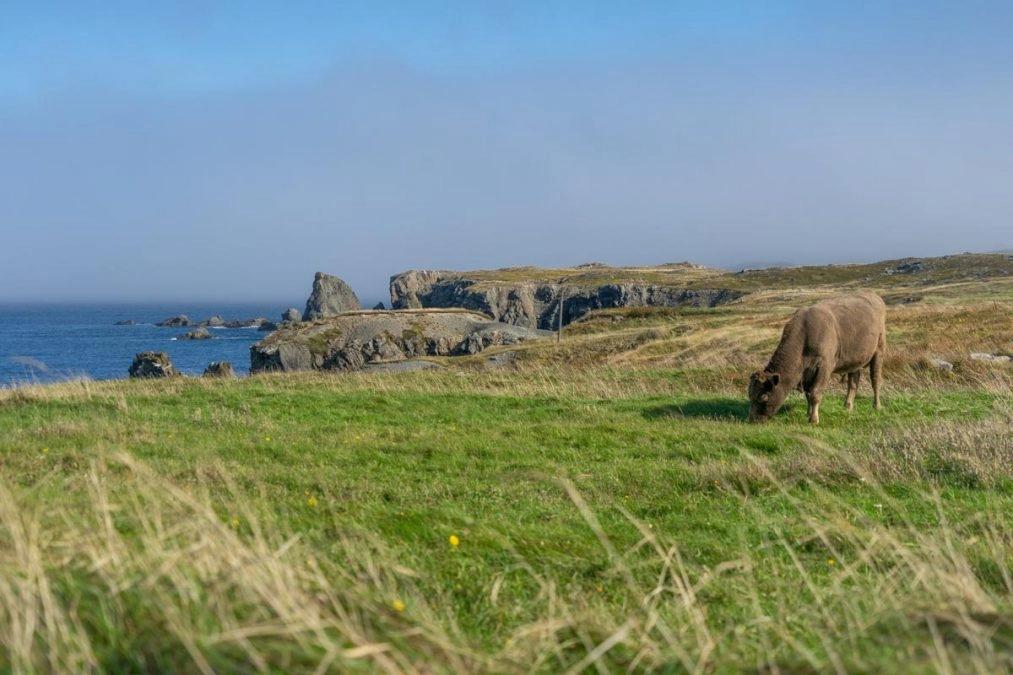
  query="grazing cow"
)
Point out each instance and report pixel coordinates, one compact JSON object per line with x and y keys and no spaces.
{"x":840,"y":335}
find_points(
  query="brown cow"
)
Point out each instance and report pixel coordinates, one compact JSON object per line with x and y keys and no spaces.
{"x":840,"y":335}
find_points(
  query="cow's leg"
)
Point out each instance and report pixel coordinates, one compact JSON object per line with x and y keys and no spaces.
{"x":814,"y":394}
{"x":875,"y":370}
{"x":813,"y":398}
{"x":853,"y":379}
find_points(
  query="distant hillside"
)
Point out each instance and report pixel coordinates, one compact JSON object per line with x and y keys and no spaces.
{"x":884,"y":274}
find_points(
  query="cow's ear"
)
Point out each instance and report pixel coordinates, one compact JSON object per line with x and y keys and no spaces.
{"x":773,"y":380}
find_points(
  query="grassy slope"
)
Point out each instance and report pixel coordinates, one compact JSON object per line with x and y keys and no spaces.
{"x":611,"y":506}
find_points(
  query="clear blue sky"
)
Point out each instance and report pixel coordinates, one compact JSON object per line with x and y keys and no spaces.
{"x":210,"y":150}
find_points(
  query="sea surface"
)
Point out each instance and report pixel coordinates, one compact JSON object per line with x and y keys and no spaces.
{"x":53,"y":343}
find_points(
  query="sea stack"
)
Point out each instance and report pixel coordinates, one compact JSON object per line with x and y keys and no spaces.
{"x":330,"y":297}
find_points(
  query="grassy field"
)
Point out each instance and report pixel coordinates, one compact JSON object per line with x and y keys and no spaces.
{"x":602,"y":506}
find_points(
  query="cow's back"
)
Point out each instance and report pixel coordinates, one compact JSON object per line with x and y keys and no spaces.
{"x":846,"y":331}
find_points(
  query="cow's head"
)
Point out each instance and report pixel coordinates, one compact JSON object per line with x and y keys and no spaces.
{"x":766,"y":394}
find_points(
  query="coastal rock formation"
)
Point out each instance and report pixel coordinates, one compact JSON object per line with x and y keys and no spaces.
{"x":219,"y":369}
{"x":125,"y":322}
{"x":331,"y":296}
{"x":245,"y":323}
{"x":152,"y":364}
{"x":535,"y":300}
{"x":359,"y":339}
{"x":216,"y":321}
{"x":291,"y":315}
{"x":178,"y":321}
{"x":196,"y":334}
{"x":538,"y":297}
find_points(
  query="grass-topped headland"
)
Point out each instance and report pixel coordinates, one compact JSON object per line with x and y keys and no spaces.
{"x":601,"y":504}
{"x":932,"y":271}
{"x":545,"y":298}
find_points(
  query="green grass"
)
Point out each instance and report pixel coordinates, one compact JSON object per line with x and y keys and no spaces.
{"x":606,"y":518}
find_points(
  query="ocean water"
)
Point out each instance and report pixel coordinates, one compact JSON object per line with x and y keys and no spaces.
{"x":52,"y":343}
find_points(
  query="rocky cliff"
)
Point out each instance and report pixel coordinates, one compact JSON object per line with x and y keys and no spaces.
{"x":358,"y":339}
{"x":534,"y":298}
{"x":330,"y":296}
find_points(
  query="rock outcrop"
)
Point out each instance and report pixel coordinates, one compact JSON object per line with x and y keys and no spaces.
{"x":152,"y":364}
{"x":291,"y":315}
{"x":196,"y":334}
{"x":356,"y":340}
{"x":990,"y":358}
{"x":331,"y":296}
{"x":178,"y":321}
{"x":245,"y":323}
{"x":538,"y":303}
{"x":219,"y":369}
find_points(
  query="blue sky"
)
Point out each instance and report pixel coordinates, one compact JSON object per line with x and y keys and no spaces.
{"x":198,"y":150}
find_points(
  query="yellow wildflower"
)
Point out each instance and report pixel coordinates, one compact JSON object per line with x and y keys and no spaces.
{"x":454,"y":541}
{"x":312,"y":501}
{"x":398,"y":605}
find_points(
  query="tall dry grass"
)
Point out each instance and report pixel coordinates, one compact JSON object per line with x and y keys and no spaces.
{"x":152,"y":577}
{"x":883,"y":595}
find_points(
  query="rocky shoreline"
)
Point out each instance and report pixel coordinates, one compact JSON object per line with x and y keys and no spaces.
{"x":437,"y":314}
{"x":354,"y":340}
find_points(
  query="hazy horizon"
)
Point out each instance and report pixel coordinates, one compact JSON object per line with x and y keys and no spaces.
{"x":227,"y":152}
{"x":370,"y":297}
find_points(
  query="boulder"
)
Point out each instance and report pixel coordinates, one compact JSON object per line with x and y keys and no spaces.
{"x":268,"y":326}
{"x":331,"y":296}
{"x":219,"y":369}
{"x":501,"y":360}
{"x":152,"y":364}
{"x":215,"y":321}
{"x":356,"y":340}
{"x":379,"y":306}
{"x":196,"y":334}
{"x":178,"y":321}
{"x":291,"y":315}
{"x":990,"y":358}
{"x":941,"y":364}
